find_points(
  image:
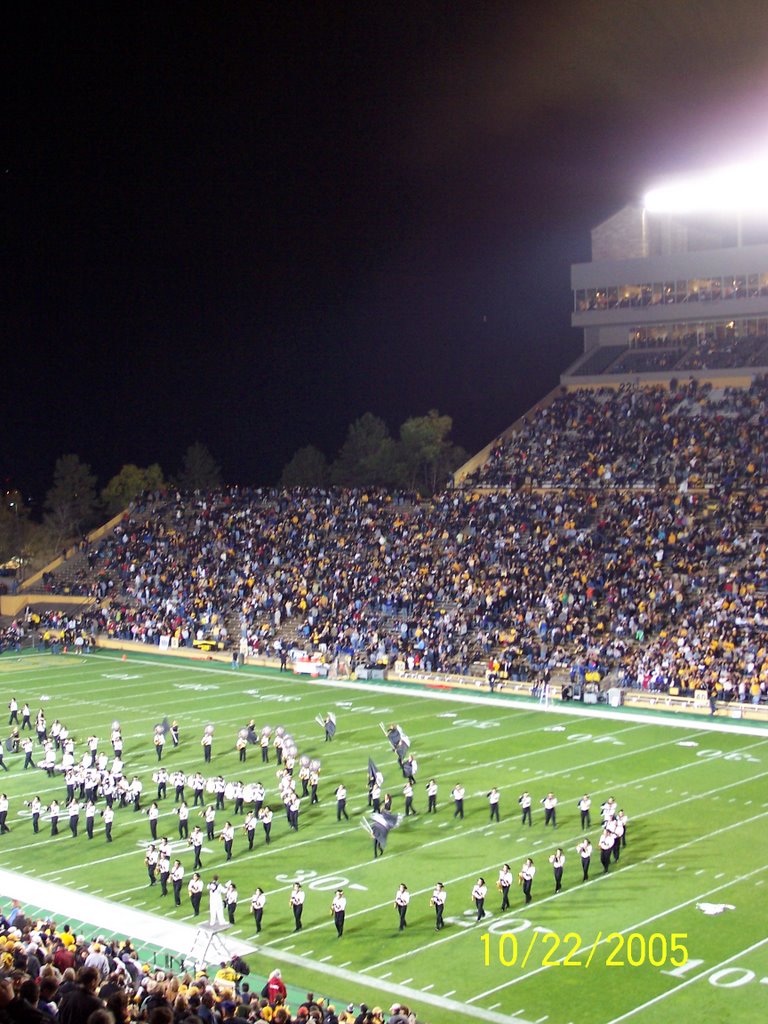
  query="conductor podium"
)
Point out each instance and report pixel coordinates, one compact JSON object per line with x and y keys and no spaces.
{"x":208,"y":946}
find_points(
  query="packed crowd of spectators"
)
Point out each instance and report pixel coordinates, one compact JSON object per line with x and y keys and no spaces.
{"x":620,"y":532}
{"x":49,"y":973}
{"x":647,"y":437}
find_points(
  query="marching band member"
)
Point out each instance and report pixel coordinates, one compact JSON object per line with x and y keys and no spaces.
{"x":338,"y":909}
{"x":584,"y":850}
{"x":439,"y":896}
{"x":504,"y":884}
{"x":402,"y":899}
{"x":527,"y":872}
{"x":296,"y":902}
{"x":479,"y":892}
{"x":557,"y":860}
{"x":258,"y":902}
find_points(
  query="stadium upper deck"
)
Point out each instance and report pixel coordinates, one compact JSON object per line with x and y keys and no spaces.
{"x":665,"y":296}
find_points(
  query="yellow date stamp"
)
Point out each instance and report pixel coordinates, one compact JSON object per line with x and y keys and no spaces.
{"x":548,"y":949}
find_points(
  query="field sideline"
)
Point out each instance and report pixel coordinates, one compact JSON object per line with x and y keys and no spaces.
{"x":694,"y":790}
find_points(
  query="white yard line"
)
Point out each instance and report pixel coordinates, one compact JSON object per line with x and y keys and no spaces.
{"x":629,"y":928}
{"x":462,"y":836}
{"x":689,"y":981}
{"x":423,"y":690}
{"x":105,"y":915}
{"x":560,"y":897}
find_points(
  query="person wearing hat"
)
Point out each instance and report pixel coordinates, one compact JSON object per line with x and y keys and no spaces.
{"x":339,"y":909}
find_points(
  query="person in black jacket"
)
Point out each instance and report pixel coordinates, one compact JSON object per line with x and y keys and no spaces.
{"x":80,"y":1002}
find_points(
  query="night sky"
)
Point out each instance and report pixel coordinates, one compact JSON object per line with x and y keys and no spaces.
{"x":248,"y":224}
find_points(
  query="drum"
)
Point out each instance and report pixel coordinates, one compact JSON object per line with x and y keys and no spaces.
{"x":229,"y":791}
{"x":210,"y":786}
{"x":249,"y":793}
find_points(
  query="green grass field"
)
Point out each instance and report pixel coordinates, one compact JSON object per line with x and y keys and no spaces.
{"x":597,"y":952}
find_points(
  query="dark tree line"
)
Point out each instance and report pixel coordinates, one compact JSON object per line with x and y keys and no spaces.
{"x":421,"y":458}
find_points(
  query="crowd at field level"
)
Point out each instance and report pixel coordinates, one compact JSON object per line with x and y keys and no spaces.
{"x":626,"y":535}
{"x":48,"y":973}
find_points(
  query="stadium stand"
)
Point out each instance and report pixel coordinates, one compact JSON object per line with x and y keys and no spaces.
{"x":46,"y":967}
{"x":618,"y":530}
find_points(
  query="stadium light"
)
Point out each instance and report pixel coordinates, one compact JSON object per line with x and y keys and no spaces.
{"x":737,"y":189}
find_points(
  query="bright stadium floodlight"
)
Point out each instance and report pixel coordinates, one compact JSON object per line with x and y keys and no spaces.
{"x":738,"y":189}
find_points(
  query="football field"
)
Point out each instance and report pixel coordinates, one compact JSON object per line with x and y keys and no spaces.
{"x":630,"y":944}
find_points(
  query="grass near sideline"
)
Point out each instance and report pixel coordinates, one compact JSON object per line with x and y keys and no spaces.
{"x":604,"y":951}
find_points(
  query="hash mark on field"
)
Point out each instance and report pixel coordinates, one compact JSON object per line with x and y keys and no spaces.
{"x":721,"y":875}
{"x":747,"y":803}
{"x":426,"y":988}
{"x":700,"y":871}
{"x":681,"y":868}
{"x":761,"y":882}
{"x":324,"y":958}
{"x":732,"y":800}
{"x":449,"y":993}
{"x":292,"y":946}
{"x":387,"y":975}
{"x":653,"y":789}
{"x":494,"y":1006}
{"x":685,"y":793}
{"x":506,"y":837}
{"x":345,"y":964}
{"x":444,"y":824}
{"x":660,"y":866}
{"x":308,"y":953}
{"x":405,"y":981}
